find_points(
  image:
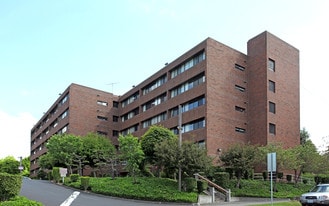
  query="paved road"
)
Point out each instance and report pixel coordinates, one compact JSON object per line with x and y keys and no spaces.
{"x":51,"y":194}
{"x":55,"y":195}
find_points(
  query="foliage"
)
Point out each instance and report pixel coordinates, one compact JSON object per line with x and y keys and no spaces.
{"x":55,"y":174}
{"x":131,"y":152}
{"x":256,"y":188}
{"x":189,"y":184}
{"x":100,"y":153}
{"x":191,"y":158}
{"x":74,"y":177}
{"x":9,"y":165}
{"x":20,"y":201}
{"x":46,"y":161}
{"x":304,"y":136}
{"x":26,"y":166}
{"x":10,"y":186}
{"x":240,"y":158}
{"x":63,"y":149}
{"x":222,"y":179}
{"x":154,"y":136}
{"x":149,"y":188}
{"x":201,"y":186}
{"x":85,"y":182}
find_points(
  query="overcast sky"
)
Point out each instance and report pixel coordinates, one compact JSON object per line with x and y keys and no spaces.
{"x":112,"y":45}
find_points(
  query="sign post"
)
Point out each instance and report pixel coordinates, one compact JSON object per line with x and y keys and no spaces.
{"x":271,"y":166}
{"x":63,"y":172}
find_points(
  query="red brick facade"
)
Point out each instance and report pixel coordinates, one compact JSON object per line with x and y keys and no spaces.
{"x":224,"y":94}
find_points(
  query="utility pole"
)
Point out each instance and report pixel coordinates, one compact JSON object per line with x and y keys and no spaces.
{"x":180,"y":145}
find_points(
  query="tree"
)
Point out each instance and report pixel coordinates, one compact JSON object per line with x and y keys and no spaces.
{"x":26,"y":165}
{"x":304,"y":136}
{"x":154,"y":136}
{"x":46,"y":161}
{"x":100,"y":152}
{"x":9,"y":165}
{"x":190,"y":157}
{"x":305,"y":158}
{"x":63,"y":149}
{"x":131,"y":152}
{"x":241,"y":158}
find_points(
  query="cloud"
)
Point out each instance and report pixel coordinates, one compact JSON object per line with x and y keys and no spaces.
{"x":15,"y":132}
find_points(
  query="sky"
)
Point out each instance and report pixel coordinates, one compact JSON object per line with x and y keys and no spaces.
{"x":112,"y":45}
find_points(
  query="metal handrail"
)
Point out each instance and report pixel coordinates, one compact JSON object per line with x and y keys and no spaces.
{"x":219,"y":188}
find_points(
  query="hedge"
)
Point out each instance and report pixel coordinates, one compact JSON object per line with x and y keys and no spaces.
{"x":10,"y":185}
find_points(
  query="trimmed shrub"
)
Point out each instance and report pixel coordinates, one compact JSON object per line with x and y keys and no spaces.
{"x":20,"y":201}
{"x":74,"y":177}
{"x":222,"y":179}
{"x":56,"y":174}
{"x":10,"y":185}
{"x":84,"y":181}
{"x":190,"y":184}
{"x":201,"y":186}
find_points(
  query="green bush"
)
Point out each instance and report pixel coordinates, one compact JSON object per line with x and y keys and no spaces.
{"x":20,"y":201}
{"x":74,"y":177}
{"x":42,"y":175}
{"x":149,"y":188}
{"x":222,"y":179}
{"x":56,"y":175}
{"x":85,"y":182}
{"x":10,"y":185}
{"x":201,"y":186}
{"x":190,"y":184}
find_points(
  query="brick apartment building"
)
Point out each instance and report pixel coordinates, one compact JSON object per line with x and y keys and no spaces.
{"x":226,"y":97}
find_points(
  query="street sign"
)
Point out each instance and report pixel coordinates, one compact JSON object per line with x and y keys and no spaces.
{"x":271,"y":162}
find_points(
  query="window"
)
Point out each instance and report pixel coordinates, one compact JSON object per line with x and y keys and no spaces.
{"x":202,"y":144}
{"x":155,"y":84}
{"x":271,"y":86}
{"x":188,"y":106}
{"x":115,"y":133}
{"x":240,"y":109}
{"x":102,"y":103}
{"x":115,"y":118}
{"x":240,"y":130}
{"x":130,"y":115}
{"x":194,"y":125}
{"x":188,"y":64}
{"x":188,"y":85}
{"x":160,"y":99}
{"x":239,"y":67}
{"x":130,"y":130}
{"x":102,"y":118}
{"x":64,"y":99}
{"x":272,"y":128}
{"x":130,"y":99}
{"x":102,"y":133}
{"x":271,"y":65}
{"x":241,"y":89}
{"x":64,"y":114}
{"x":115,"y":104}
{"x":272,"y":107}
{"x":155,"y":120}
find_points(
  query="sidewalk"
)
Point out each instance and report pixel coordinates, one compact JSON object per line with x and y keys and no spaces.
{"x":245,"y":201}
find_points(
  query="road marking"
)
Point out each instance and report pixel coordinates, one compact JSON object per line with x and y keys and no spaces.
{"x":70,"y":199}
